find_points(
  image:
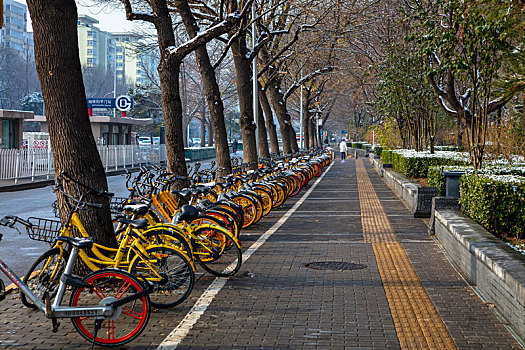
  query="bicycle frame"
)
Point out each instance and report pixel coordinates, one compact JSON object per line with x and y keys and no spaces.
{"x":56,"y":310}
{"x":120,"y":260}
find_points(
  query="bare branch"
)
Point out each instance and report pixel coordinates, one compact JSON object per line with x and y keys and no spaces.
{"x":132,"y":16}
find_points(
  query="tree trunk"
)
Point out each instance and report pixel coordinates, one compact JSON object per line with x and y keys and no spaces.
{"x":72,"y":141}
{"x":523,"y":110}
{"x":270,"y":125}
{"x":203,"y":131}
{"x":306,"y":118}
{"x":212,"y":91}
{"x":311,"y":132}
{"x":243,"y":79}
{"x":460,"y":130}
{"x":264,"y":151}
{"x":169,"y":72}
{"x":210,"y":132}
{"x":293,"y":136}
{"x":276,"y":98}
{"x":184,"y":132}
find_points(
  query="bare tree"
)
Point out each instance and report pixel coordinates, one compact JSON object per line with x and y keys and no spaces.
{"x":72,"y":141}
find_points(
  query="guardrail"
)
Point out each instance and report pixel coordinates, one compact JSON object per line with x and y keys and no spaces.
{"x":28,"y":163}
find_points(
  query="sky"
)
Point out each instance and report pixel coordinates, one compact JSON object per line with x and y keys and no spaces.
{"x":111,"y":18}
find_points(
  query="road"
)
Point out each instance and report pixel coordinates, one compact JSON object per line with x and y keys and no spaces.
{"x":18,"y":251}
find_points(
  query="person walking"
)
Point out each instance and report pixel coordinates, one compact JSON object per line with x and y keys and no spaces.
{"x":343,"y":149}
{"x":234,"y":146}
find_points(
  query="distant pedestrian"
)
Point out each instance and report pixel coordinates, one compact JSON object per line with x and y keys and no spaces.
{"x":234,"y":146}
{"x":343,"y":149}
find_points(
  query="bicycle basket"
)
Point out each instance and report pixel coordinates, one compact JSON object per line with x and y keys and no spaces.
{"x":44,"y":230}
{"x":116,"y":204}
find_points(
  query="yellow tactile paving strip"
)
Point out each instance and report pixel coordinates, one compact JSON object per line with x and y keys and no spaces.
{"x":418,"y":324}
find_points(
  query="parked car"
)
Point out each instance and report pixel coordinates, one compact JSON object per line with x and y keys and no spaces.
{"x":144,"y":141}
{"x":196,"y":142}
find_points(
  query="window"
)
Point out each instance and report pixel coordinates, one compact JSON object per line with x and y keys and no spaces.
{"x":120,"y":57}
{"x":120,"y":49}
{"x":90,"y":42}
{"x":18,"y":10}
{"x":15,"y":22}
{"x":89,"y":51}
{"x":120,"y":65}
{"x":90,"y":33}
{"x":15,"y":46}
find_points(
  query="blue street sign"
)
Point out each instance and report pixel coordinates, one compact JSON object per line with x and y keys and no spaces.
{"x":101,"y":102}
{"x":343,"y":132}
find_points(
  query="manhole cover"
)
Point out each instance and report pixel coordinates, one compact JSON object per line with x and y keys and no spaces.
{"x":335,"y":265}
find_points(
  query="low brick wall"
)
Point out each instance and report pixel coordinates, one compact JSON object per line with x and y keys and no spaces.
{"x":416,"y":197}
{"x":497,"y":270}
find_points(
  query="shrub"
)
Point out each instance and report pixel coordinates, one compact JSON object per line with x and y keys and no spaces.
{"x":416,"y":164}
{"x":436,"y":178}
{"x":378,"y":150}
{"x":497,"y":202}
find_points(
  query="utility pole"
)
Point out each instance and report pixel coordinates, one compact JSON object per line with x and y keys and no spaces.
{"x":255,"y":87}
{"x":301,"y":131}
{"x":115,"y":83}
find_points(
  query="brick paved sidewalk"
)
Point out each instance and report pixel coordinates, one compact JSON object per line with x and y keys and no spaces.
{"x":401,"y":292}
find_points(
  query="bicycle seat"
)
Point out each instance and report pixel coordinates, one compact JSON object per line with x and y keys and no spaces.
{"x":139,"y":209}
{"x":184,"y":193}
{"x":86,"y":242}
{"x":224,"y":185}
{"x":200,"y":189}
{"x":188,"y":213}
{"x":139,"y":223}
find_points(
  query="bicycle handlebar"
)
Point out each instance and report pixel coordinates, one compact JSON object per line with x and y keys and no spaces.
{"x":11,"y":220}
{"x":91,"y":189}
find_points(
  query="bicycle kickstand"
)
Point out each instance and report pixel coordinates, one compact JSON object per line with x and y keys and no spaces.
{"x":3,"y":293}
{"x":49,"y":313}
{"x":98,"y":325}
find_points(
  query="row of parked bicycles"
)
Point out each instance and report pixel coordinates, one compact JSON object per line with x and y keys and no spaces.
{"x":162,"y":237}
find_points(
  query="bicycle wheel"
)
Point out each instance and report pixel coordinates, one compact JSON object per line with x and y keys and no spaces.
{"x":44,"y":275}
{"x":127,"y":322}
{"x":249,"y":207}
{"x":266,"y":198}
{"x":176,"y":275}
{"x":217,"y":252}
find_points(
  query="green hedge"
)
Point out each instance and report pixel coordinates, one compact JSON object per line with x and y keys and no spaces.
{"x":497,"y":202}
{"x":417,"y":167}
{"x":378,"y":150}
{"x":436,"y":178}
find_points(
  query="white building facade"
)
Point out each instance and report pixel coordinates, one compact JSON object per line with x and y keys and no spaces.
{"x":14,"y":35}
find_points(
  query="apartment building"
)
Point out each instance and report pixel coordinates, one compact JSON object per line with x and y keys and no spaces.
{"x":114,"y":51}
{"x":96,"y":47}
{"x":14,"y":34}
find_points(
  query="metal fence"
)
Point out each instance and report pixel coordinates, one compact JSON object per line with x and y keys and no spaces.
{"x":16,"y":164}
